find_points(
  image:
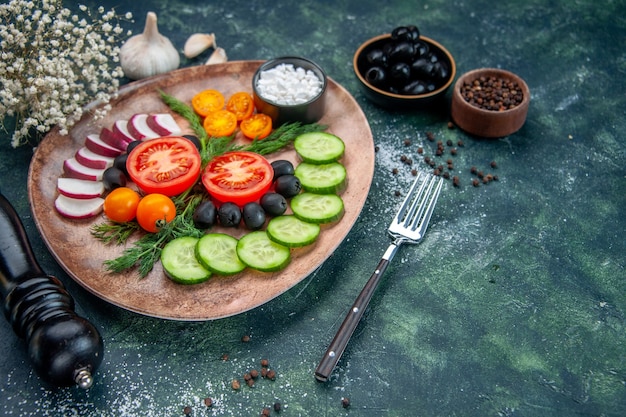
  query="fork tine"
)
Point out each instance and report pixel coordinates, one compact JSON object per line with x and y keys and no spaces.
{"x":431,"y":198}
{"x":404,"y":211}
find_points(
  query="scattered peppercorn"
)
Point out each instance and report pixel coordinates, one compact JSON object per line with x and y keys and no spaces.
{"x":376,"y":148}
{"x":475,"y":182}
{"x":250,"y":382}
{"x":446,"y":175}
{"x":345,"y":402}
{"x":455,"y":181}
{"x":460,"y":143}
{"x":235,"y":384}
{"x":430,"y":136}
{"x":394,"y":171}
{"x":277,"y":407}
{"x":187,"y":410}
{"x":254,"y":373}
{"x":265,"y":363}
{"x":245,"y":339}
{"x":407,"y":142}
{"x":208,"y":401}
{"x":449,"y":142}
{"x":473,"y":170}
{"x":225,"y":357}
{"x":453,"y":151}
{"x":266,"y":412}
{"x":414,"y":172}
{"x":420,"y":150}
{"x":450,"y":125}
{"x":493,"y":164}
{"x":271,"y":374}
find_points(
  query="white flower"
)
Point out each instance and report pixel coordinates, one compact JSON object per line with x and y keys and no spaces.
{"x":44,"y":87}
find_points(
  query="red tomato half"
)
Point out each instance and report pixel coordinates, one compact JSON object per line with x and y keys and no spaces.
{"x":167,"y":165}
{"x":239,"y":177}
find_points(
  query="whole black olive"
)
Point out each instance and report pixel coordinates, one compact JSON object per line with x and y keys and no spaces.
{"x":376,"y":57}
{"x":205,"y":215}
{"x":113,"y":178}
{"x":194,"y":139}
{"x":422,"y":68}
{"x":229,"y":215}
{"x":400,"y":73}
{"x":287,"y":186}
{"x":434,"y":58}
{"x":132,"y":145}
{"x":253,"y":216}
{"x":414,"y":87}
{"x":441,"y":71}
{"x":420,"y":49}
{"x":376,"y":76}
{"x":274,"y":204}
{"x":401,"y":52}
{"x":413,"y":32}
{"x":120,"y":163}
{"x":400,"y":33}
{"x":282,"y":167}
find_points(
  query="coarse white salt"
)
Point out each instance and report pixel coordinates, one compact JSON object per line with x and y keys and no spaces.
{"x":289,"y":85}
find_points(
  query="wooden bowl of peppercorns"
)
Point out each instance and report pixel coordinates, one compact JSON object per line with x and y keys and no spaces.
{"x":490,"y":102}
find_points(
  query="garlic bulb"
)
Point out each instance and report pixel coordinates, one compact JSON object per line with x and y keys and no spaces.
{"x":217,"y":57}
{"x":198,"y":43}
{"x":148,"y":53}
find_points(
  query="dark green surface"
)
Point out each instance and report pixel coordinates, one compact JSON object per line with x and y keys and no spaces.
{"x":513,"y":305}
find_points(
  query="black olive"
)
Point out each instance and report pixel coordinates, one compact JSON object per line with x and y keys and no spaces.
{"x":414,"y":87}
{"x":434,"y":58}
{"x":441,"y":71}
{"x":253,"y":216}
{"x":229,"y":215}
{"x":422,"y":68}
{"x":205,"y":215}
{"x":132,"y":145}
{"x":400,"y":73}
{"x":282,"y":167}
{"x":420,"y":49}
{"x":113,"y":178}
{"x":194,"y":139}
{"x":376,"y":76}
{"x":401,"y":52}
{"x":287,"y":186}
{"x":120,"y":163}
{"x":376,"y":57}
{"x":274,"y":204}
{"x":400,"y":33}
{"x":413,"y":32}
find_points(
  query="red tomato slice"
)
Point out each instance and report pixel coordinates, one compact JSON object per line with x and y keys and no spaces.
{"x":167,"y":165}
{"x":238,"y":177}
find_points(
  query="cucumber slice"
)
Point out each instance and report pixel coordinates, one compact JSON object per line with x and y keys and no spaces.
{"x":217,"y":252}
{"x":257,"y":251}
{"x":178,"y":258}
{"x":317,"y":208}
{"x":292,"y":232}
{"x":319,"y":147}
{"x":322,"y":179}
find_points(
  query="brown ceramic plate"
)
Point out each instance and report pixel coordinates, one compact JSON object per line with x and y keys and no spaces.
{"x":82,"y":256}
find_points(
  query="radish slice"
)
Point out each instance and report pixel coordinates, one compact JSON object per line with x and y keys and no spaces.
{"x":96,"y":145}
{"x":75,"y":208}
{"x":121,"y":128}
{"x":80,"y":189}
{"x":138,"y":127}
{"x":113,"y":139}
{"x":164,"y":124}
{"x":91,"y":159}
{"x":74,"y":169}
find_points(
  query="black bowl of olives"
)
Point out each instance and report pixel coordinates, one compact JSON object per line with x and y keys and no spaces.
{"x":403,"y":69}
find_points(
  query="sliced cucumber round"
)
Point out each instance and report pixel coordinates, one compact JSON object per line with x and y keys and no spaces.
{"x":217,"y":252}
{"x":317,"y":208}
{"x":259,"y":252}
{"x":319,"y":147}
{"x":178,"y":258}
{"x":290,"y":231}
{"x":322,"y":179}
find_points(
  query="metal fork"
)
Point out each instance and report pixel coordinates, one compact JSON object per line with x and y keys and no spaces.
{"x":408,"y":226}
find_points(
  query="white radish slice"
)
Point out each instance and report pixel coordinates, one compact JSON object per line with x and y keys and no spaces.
{"x":138,"y":127}
{"x":113,"y":139}
{"x":90,"y":159}
{"x":80,"y":189}
{"x":73,"y":169}
{"x":121,"y":128}
{"x":75,"y":208}
{"x":96,"y":145}
{"x":163,"y":124}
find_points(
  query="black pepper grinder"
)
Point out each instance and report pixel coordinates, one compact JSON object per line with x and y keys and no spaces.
{"x":64,"y":348}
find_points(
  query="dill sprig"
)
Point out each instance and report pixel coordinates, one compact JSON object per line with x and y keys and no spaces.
{"x":146,"y":251}
{"x":117,"y":233}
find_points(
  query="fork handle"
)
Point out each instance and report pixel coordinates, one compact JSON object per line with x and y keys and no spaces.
{"x":345,"y":331}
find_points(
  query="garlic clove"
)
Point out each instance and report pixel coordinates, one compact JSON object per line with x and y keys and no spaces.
{"x":148,"y":53}
{"x":198,"y":43}
{"x":217,"y":57}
